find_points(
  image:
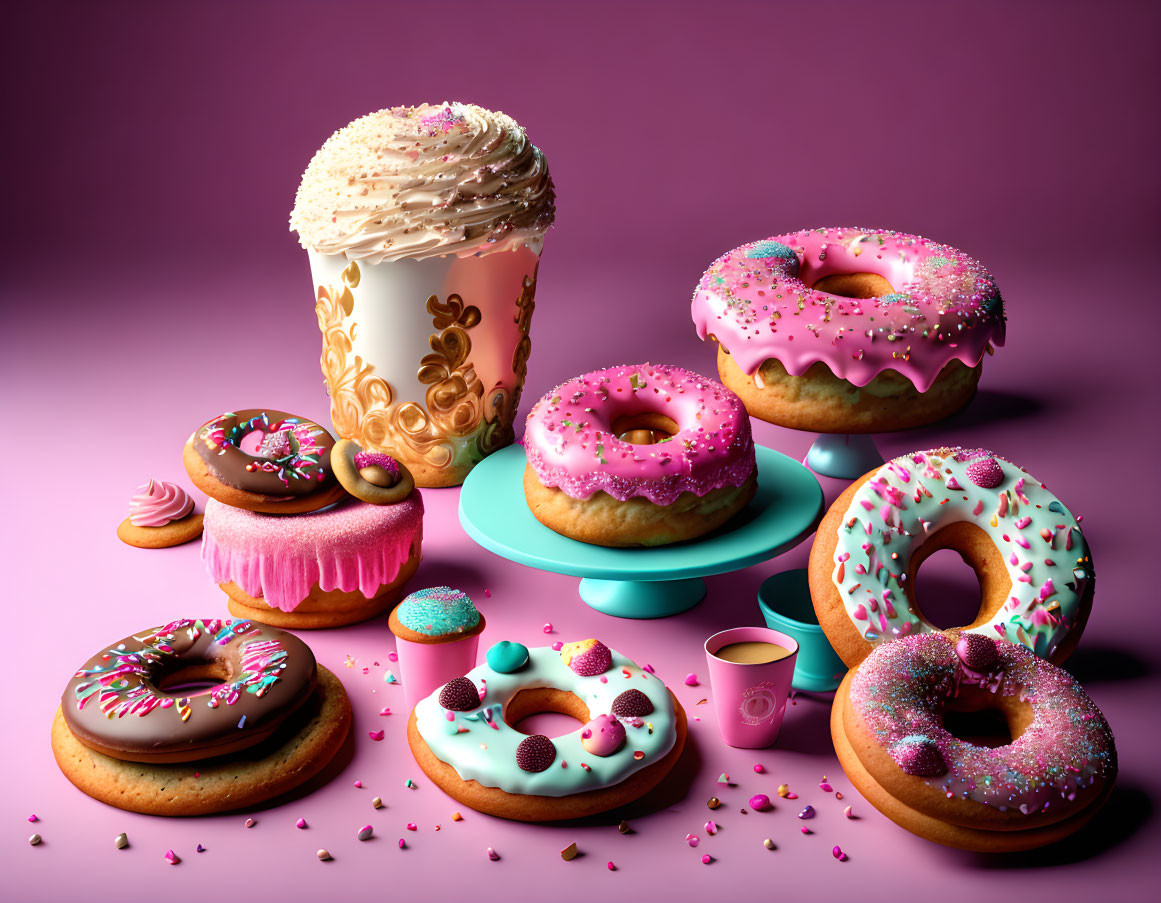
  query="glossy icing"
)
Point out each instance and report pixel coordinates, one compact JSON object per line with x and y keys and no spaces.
{"x":348,"y":546}
{"x":438,"y":611}
{"x":114,"y":700}
{"x":913,"y":496}
{"x":571,"y":445}
{"x":900,"y":688}
{"x":481,"y":746}
{"x":157,"y":503}
{"x":757,"y":301}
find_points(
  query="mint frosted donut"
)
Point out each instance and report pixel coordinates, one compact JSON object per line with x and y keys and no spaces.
{"x":632,"y":733}
{"x":1027,"y":550}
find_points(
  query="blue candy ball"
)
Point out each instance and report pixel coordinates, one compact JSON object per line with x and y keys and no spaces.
{"x":505,"y":657}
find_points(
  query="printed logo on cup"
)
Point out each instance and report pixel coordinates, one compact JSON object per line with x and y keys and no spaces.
{"x":759,"y":703}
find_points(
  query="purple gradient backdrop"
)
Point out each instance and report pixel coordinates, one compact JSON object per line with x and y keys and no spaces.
{"x":149,"y":280}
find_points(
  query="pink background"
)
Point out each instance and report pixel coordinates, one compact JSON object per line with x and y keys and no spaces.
{"x":150,"y":161}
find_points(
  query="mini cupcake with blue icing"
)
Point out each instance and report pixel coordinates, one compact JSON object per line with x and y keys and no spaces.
{"x":437,"y":634}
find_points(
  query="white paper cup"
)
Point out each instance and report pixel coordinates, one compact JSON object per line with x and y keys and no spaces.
{"x":425,"y":359}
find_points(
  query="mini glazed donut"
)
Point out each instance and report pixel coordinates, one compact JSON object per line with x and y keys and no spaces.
{"x":325,"y":568}
{"x":887,"y":724}
{"x":161,"y":515}
{"x":848,"y":330}
{"x":263,"y":460}
{"x":462,"y":735}
{"x":372,"y":477}
{"x":1031,"y":559}
{"x":638,"y":456}
{"x":272,"y":722}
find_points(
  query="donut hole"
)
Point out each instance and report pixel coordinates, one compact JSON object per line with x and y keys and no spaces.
{"x":981,"y":718}
{"x":947,"y":590}
{"x":193,"y":678}
{"x":854,"y":285}
{"x":644,"y":428}
{"x":547,"y":711}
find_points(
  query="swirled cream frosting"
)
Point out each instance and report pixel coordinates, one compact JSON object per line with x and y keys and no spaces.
{"x":414,"y":182}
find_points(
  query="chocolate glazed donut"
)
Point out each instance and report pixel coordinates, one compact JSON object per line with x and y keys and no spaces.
{"x":117,"y":704}
{"x":286,"y":471}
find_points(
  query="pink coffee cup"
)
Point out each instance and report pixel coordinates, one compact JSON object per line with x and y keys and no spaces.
{"x":750,"y":699}
{"x":425,"y":667}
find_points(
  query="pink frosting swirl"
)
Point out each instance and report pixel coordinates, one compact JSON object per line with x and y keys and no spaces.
{"x":157,"y":503}
{"x":758,"y":301}
{"x":572,"y":445}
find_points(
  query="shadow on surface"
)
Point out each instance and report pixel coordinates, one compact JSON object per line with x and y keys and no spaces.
{"x":990,"y":406}
{"x":807,"y":725}
{"x":435,"y":570}
{"x":1104,"y":664}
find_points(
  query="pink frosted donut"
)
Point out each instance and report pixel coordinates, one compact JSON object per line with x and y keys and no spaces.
{"x":638,"y":455}
{"x":849,"y":330}
{"x":336,"y":566}
{"x":891,"y":730}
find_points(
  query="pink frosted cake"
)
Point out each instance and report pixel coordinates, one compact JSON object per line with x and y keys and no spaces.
{"x":849,"y":330}
{"x":638,"y":456}
{"x":343,"y":564}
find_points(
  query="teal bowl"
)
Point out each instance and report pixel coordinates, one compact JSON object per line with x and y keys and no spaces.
{"x":785,"y":602}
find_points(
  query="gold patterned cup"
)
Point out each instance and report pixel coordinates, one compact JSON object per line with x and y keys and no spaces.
{"x":424,"y":359}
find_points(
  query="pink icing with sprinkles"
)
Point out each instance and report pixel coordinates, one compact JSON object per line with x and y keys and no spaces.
{"x":348,"y":546}
{"x":898,"y":690}
{"x":757,"y":301}
{"x":570,"y":442}
{"x":377,"y":459}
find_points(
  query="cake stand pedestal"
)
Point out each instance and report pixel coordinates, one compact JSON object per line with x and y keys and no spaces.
{"x":645,"y":582}
{"x":843,"y":457}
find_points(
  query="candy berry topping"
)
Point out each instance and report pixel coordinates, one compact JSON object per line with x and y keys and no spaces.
{"x":976,"y":651}
{"x":919,"y":756}
{"x":535,"y":753}
{"x":588,"y":658}
{"x":985,"y":473}
{"x":459,"y":695}
{"x":632,"y":704}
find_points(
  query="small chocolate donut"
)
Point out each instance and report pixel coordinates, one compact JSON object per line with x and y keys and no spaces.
{"x":117,"y":704}
{"x":372,"y":477}
{"x":286,"y":469}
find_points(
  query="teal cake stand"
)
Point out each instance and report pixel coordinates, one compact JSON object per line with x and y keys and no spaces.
{"x":647,"y":582}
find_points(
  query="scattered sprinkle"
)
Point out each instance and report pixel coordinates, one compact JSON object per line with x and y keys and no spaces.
{"x":838,"y":794}
{"x":377,"y":803}
{"x":358,"y":783}
{"x":807,"y":812}
{"x":389,"y":677}
{"x":825,"y":787}
{"x":569,"y":853}
{"x":457,"y":817}
{"x":33,"y":818}
{"x":121,"y":841}
{"x":201,"y":849}
{"x":723,"y":778}
{"x":768,"y":843}
{"x":410,"y":784}
{"x":624,"y":828}
{"x":386,"y":710}
{"x":847,"y":812}
{"x":492,"y":854}
{"x":691,"y":680}
{"x":711,"y":828}
{"x":692,"y":839}
{"x":170,"y":856}
{"x":391,"y":657}
{"x":609,"y":865}
{"x":805,"y":830}
{"x":300,"y":824}
{"x":250,"y":823}
{"x":365,"y":832}
{"x":648,"y":667}
{"x":402,"y":844}
{"x":837,"y":853}
{"x":376,"y":735}
{"x":707,"y":859}
{"x":547,"y":627}
{"x":35,"y":840}
{"x":713,"y":802}
{"x":784,"y":790}
{"x":759,"y":802}
{"x":411,"y":826}
{"x":324,"y":856}
{"x":557,"y":646}
{"x":758,"y":769}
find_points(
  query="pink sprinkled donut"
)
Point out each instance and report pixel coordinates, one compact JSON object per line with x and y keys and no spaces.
{"x":638,"y":455}
{"x":969,"y":789}
{"x":849,"y":330}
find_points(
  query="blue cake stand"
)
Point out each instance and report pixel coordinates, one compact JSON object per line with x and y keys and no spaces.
{"x":641,"y":583}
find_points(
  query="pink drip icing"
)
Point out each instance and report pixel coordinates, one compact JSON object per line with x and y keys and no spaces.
{"x":952,"y":310}
{"x":571,"y":446}
{"x":346,"y":547}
